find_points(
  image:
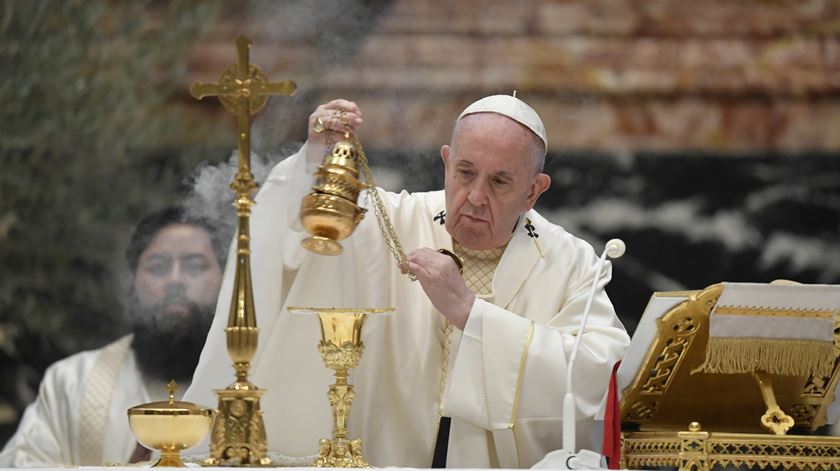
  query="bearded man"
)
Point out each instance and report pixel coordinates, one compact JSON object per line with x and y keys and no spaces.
{"x":79,"y":416}
{"x":469,"y":371}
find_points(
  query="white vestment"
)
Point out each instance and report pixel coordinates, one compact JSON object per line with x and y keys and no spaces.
{"x":79,"y":416}
{"x":507,"y":375}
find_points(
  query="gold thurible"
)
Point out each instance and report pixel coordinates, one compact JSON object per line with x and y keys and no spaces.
{"x":238,"y":432}
{"x":330,"y":213}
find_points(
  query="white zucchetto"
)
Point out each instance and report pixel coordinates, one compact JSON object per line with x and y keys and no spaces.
{"x":513,"y":108}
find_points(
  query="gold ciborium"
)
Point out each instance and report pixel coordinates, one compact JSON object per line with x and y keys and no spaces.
{"x":330,"y":212}
{"x":341,"y":348}
{"x":170,"y":426}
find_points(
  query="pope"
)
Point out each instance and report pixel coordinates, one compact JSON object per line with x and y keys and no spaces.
{"x":470,"y":369}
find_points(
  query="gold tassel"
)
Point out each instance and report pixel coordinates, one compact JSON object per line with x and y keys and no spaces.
{"x":730,"y":355}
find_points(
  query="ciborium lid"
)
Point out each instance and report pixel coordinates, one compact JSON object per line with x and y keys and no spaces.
{"x":170,"y":407}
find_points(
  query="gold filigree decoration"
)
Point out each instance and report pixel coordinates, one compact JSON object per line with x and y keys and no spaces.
{"x":815,"y":386}
{"x":239,"y":435}
{"x":837,"y":334}
{"x":340,"y":453}
{"x":344,"y":357}
{"x":803,"y":414}
{"x":657,"y":382}
{"x":658,"y":451}
{"x":764,"y":311}
{"x":693,"y":453}
{"x":676,"y":333}
{"x":652,"y":447}
{"x":643,"y":410}
{"x":647,"y":449}
{"x":684,"y":326}
{"x":823,"y":387}
{"x":778,"y":455}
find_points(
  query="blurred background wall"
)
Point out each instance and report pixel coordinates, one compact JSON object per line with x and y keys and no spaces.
{"x":704,"y":133}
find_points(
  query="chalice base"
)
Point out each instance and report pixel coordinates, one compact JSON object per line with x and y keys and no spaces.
{"x":322,"y":245}
{"x":340,"y":453}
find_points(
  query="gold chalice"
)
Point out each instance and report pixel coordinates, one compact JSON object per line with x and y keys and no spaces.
{"x":170,"y":426}
{"x":341,"y":348}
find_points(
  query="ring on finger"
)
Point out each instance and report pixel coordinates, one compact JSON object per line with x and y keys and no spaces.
{"x":319,"y":126}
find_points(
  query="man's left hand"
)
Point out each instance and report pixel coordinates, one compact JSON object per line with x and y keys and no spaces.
{"x":440,"y":278}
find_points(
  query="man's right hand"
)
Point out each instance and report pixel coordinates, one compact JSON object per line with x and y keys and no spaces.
{"x":334,"y":117}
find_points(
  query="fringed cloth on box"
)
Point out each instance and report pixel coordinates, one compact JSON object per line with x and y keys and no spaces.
{"x":778,"y":329}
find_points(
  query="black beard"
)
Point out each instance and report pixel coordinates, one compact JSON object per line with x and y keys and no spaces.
{"x":168,"y":346}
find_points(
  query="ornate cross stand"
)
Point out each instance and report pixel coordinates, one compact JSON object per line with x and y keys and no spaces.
{"x":238,"y":433}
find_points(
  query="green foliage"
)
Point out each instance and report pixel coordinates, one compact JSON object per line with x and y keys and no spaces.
{"x":88,"y":121}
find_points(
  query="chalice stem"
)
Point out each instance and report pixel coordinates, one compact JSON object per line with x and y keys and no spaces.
{"x":341,"y":398}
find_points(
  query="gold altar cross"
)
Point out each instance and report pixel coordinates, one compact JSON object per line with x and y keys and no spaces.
{"x":243,"y":90}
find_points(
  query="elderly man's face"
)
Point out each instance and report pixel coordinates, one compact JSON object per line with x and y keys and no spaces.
{"x":178,"y":270}
{"x":490,"y":179}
